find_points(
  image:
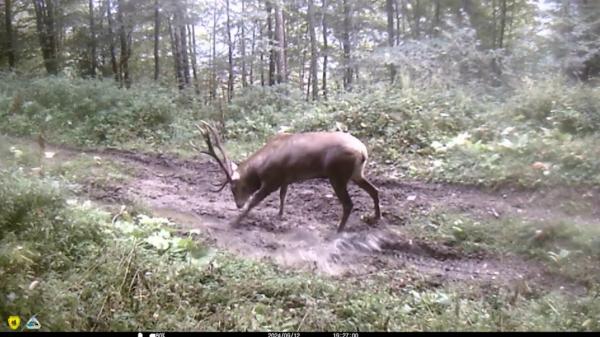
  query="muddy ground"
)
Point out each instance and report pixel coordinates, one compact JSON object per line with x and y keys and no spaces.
{"x":306,"y":237}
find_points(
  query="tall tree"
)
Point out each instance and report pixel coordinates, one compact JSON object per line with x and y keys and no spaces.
{"x":213,"y":70}
{"x":252,"y":51}
{"x":269,"y":9}
{"x":10,"y":40}
{"x":502,"y":23}
{"x":156,"y":39}
{"x":93,"y":63}
{"x":175,"y":49}
{"x":313,"y":51}
{"x":325,"y":47}
{"x":389,"y":7}
{"x":243,"y":46}
{"x":192,"y":55}
{"x":124,"y":40}
{"x":346,"y":45}
{"x":229,"y":56}
{"x":111,"y":39}
{"x":280,"y":37}
{"x":183,"y":49}
{"x":45,"y":18}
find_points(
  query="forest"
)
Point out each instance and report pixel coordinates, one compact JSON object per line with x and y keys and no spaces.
{"x":481,"y":120}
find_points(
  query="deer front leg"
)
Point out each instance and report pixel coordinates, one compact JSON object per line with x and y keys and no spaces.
{"x":256,"y":198}
{"x":282,"y":193}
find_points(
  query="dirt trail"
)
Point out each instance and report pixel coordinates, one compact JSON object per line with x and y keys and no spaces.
{"x":306,"y":237}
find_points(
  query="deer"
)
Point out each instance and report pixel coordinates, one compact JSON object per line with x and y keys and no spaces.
{"x":289,"y":158}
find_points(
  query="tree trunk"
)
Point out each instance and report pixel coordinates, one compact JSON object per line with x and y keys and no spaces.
{"x":93,"y":63}
{"x":192,"y":55}
{"x":494,"y":27}
{"x":229,"y":57}
{"x":243,"y":46}
{"x":302,"y":69}
{"x":325,"y":50}
{"x":313,"y":51}
{"x":389,"y":7}
{"x":502,"y":24}
{"x":111,"y":38}
{"x":252,"y":54}
{"x":46,"y":28}
{"x":285,"y":48}
{"x":436,"y":18}
{"x":174,"y":37}
{"x":183,"y":47}
{"x":404,"y":16}
{"x":279,"y":35}
{"x":156,"y":39}
{"x":10,"y":41}
{"x":270,"y":34}
{"x":346,"y":46}
{"x":262,"y":58}
{"x":213,"y":76}
{"x":397,"y":13}
{"x":417,"y":18}
{"x":124,"y":59}
{"x":279,"y":29}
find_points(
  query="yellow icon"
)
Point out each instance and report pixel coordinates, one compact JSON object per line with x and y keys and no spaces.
{"x":14,"y":322}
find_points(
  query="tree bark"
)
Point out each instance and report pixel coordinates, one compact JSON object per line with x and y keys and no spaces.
{"x":229,"y":56}
{"x":111,"y":38}
{"x":397,"y":13}
{"x":389,"y":6}
{"x":262,"y":57}
{"x":213,"y":76}
{"x":192,"y":55}
{"x":325,"y":48}
{"x":183,"y":47}
{"x":313,"y":50}
{"x":124,"y":59}
{"x":252,"y":54}
{"x":502,"y":24}
{"x":174,"y":37}
{"x":280,"y":37}
{"x":270,"y":34}
{"x":417,"y":18}
{"x":46,"y":28}
{"x":156,"y":40}
{"x":93,"y":63}
{"x":436,"y":18}
{"x":346,"y":46}
{"x":10,"y":41}
{"x":243,"y":46}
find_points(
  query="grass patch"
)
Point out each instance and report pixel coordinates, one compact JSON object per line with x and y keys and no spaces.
{"x":80,"y":268}
{"x":569,"y":248}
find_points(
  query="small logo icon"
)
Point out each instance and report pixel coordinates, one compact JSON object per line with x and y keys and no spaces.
{"x":14,"y":322}
{"x":33,"y":324}
{"x":140,"y":334}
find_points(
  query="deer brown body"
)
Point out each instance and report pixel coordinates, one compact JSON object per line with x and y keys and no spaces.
{"x":289,"y":158}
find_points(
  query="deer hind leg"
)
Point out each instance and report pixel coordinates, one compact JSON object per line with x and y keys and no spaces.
{"x":256,"y":198}
{"x":282,"y":193}
{"x":372,"y":191}
{"x":340,"y":188}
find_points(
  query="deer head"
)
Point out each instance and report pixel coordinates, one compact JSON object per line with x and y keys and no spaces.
{"x":239,"y":187}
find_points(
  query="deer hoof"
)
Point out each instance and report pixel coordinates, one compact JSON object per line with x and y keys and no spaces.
{"x":370,"y":220}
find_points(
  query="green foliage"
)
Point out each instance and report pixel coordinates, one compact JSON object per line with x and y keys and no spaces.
{"x":79,"y":268}
{"x":567,"y":247}
{"x":87,"y":112}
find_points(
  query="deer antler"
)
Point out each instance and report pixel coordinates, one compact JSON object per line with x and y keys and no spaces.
{"x":224,"y":163}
